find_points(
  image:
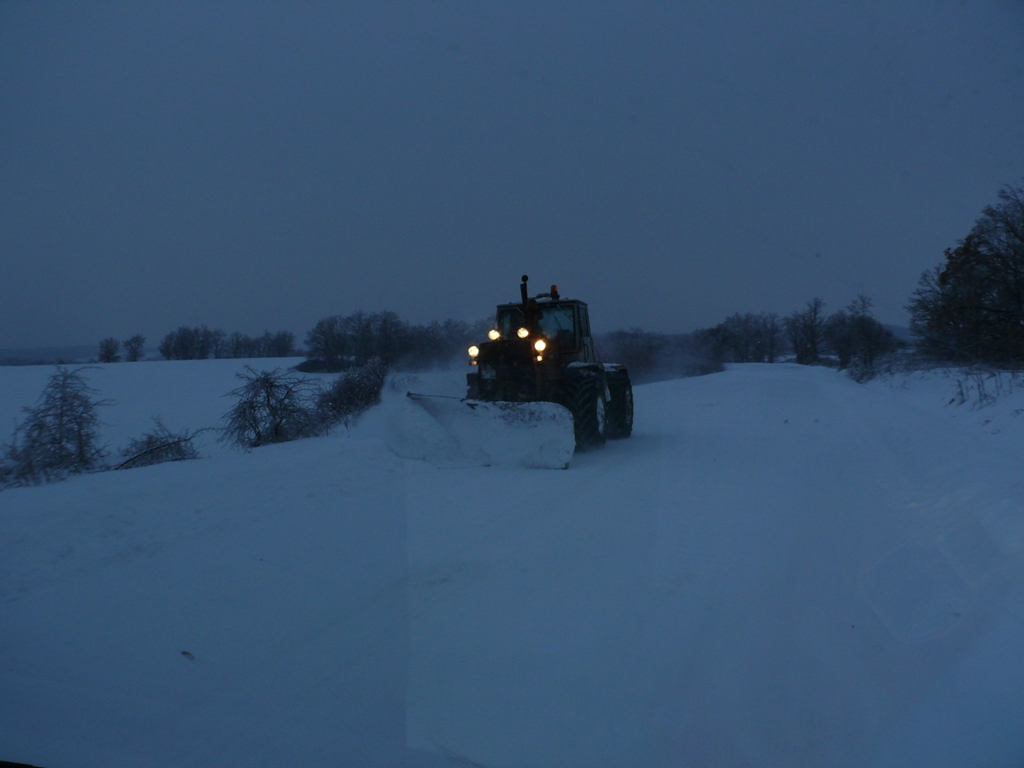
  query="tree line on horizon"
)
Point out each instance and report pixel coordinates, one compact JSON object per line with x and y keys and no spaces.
{"x":201,"y":343}
{"x":334,"y":344}
{"x":969,"y":309}
{"x":850,"y":338}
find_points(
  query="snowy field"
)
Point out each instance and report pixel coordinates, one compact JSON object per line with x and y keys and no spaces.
{"x":780,"y":568}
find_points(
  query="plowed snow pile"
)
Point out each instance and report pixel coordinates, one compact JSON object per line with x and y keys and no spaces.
{"x":780,"y":568}
{"x":450,"y":432}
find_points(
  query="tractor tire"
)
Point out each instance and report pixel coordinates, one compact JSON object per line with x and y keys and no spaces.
{"x":620,"y":407}
{"x":584,"y":396}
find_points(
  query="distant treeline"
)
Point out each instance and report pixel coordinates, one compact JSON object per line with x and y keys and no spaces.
{"x":342,"y":341}
{"x":849,"y":338}
{"x":335,"y":343}
{"x":201,"y":343}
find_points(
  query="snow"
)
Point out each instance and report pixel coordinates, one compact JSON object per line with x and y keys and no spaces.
{"x":453,"y":432}
{"x":780,"y":568}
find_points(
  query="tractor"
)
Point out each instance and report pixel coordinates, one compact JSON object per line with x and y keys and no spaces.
{"x":540,"y":349}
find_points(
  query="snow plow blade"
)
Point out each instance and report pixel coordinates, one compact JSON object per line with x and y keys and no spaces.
{"x":463,"y":432}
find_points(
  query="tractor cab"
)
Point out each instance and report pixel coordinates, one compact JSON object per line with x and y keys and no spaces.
{"x":561,"y":323}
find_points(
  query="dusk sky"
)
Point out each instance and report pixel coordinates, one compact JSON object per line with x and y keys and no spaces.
{"x":260,"y":166}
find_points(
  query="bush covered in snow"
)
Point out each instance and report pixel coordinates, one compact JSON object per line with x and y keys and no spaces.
{"x":58,"y":436}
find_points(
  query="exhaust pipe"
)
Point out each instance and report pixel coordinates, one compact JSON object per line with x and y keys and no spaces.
{"x":522,"y":290}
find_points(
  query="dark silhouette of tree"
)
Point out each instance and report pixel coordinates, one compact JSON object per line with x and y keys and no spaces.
{"x":747,"y":338}
{"x":218,"y":343}
{"x":857,"y":338}
{"x":805,"y":332}
{"x":339,"y":342}
{"x":271,"y":407}
{"x":971,"y":307}
{"x":281,"y":344}
{"x":326,"y":343}
{"x":134,"y":348}
{"x":202,"y":342}
{"x":109,"y":349}
{"x":59,"y":434}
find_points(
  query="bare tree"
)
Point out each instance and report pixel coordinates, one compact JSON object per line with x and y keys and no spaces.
{"x":59,"y":434}
{"x":237,"y":345}
{"x":326,"y":343}
{"x":771,"y":335}
{"x":281,"y":344}
{"x":351,"y":393}
{"x":971,"y":307}
{"x":839,"y":336}
{"x":871,"y":338}
{"x":858,"y":339}
{"x":109,"y":349}
{"x":134,"y":348}
{"x":218,"y":343}
{"x":805,"y":332}
{"x":271,"y":407}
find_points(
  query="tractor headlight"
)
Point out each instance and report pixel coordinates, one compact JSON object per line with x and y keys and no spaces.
{"x":522,"y":333}
{"x":493,"y":334}
{"x":540,"y":345}
{"x":474,"y":351}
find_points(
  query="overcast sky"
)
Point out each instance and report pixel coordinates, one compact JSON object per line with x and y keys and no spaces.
{"x":261,"y":166}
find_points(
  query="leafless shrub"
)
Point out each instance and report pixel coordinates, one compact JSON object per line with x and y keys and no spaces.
{"x":272,"y":407}
{"x":278,"y":406}
{"x":805,"y":332}
{"x":980,"y":386}
{"x":134,"y":348}
{"x":351,"y":393}
{"x":59,"y":434}
{"x":157,"y":446}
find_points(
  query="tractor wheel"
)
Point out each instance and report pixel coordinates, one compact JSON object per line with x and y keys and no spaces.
{"x":585,"y":398}
{"x":620,"y":407}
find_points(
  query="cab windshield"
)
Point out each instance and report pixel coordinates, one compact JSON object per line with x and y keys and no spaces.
{"x":556,"y":323}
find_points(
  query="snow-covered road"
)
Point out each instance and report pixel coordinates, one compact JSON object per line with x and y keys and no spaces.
{"x":780,"y":568}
